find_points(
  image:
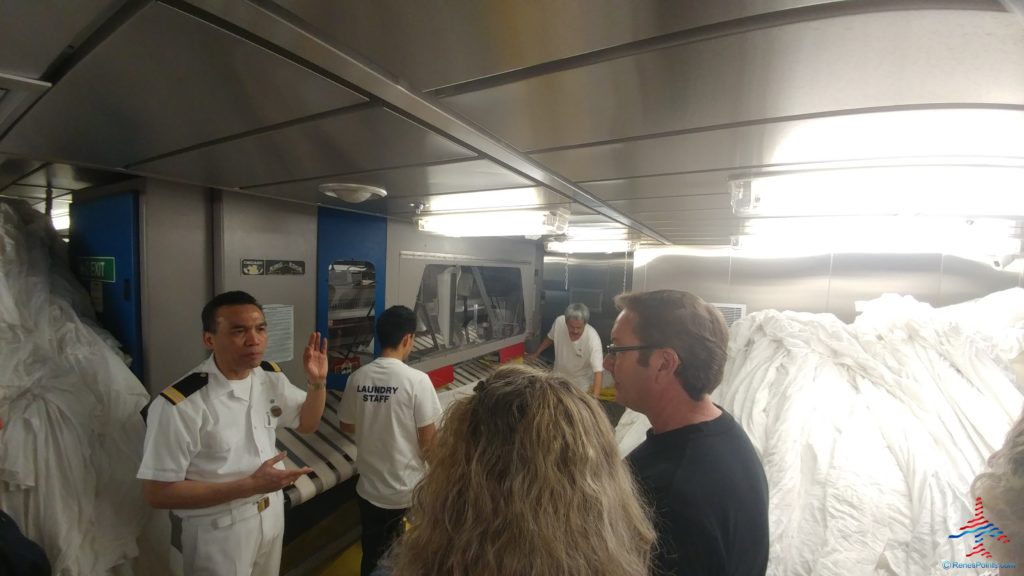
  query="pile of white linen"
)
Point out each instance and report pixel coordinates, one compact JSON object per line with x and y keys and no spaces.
{"x":871,"y":433}
{"x":73,"y":435}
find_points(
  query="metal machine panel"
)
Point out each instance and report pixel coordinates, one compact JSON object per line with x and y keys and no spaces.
{"x":868,"y":276}
{"x":807,"y":68}
{"x":406,"y":183}
{"x":593,"y":279}
{"x":368,"y":139}
{"x":965,"y":279}
{"x":25,"y":50}
{"x":796,"y":283}
{"x":704,"y":272}
{"x":436,"y":43}
{"x":164,"y":81}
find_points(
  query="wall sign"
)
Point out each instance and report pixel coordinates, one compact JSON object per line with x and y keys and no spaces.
{"x":252,"y":267}
{"x":99,"y":268}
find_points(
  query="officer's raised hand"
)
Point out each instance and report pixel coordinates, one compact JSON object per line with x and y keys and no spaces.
{"x":268,"y":478}
{"x":314,"y":360}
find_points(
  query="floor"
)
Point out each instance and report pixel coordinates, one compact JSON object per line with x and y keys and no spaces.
{"x":347,"y":564}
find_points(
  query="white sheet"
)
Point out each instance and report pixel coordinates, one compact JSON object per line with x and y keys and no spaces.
{"x":871,"y":433}
{"x":73,"y":435}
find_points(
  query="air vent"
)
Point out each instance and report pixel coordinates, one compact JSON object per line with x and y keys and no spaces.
{"x":732,"y":312}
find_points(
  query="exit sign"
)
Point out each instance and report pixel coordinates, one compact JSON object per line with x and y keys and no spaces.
{"x":101,"y":268}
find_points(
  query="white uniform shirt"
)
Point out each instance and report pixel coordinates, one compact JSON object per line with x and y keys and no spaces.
{"x":579,"y":360}
{"x":220,"y":433}
{"x":387,"y":401}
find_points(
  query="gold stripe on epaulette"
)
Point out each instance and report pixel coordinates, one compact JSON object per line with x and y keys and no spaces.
{"x":274,"y":365}
{"x":172,"y":395}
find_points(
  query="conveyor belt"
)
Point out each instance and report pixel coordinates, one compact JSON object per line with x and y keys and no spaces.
{"x":332,"y":454}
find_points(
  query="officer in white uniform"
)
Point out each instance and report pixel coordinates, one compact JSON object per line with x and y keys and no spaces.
{"x":210,"y":453}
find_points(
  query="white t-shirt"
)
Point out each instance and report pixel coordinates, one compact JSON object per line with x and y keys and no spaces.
{"x":205,"y":436}
{"x":387,"y":401}
{"x":579,"y":360}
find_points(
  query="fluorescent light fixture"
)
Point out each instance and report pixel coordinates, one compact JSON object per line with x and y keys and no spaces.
{"x":496,"y":223}
{"x":351,"y":193}
{"x":904,"y":190}
{"x":597,"y":232}
{"x":590,"y":246}
{"x":778,"y":236}
{"x":488,"y":200}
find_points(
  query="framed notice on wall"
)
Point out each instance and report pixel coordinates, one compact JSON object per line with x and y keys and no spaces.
{"x":280,"y":332}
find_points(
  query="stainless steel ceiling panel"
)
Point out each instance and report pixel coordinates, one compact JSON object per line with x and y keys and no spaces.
{"x":357,"y":141}
{"x":659,"y":186}
{"x":938,"y":132}
{"x":673,"y":203}
{"x":411,"y":181}
{"x":165,"y":81}
{"x":14,"y":169}
{"x":964,"y":278}
{"x":33,"y":34}
{"x":433,"y":43}
{"x":521,"y":199}
{"x":70,"y":177}
{"x":868,"y":276}
{"x":795,"y":283}
{"x":817,"y":67}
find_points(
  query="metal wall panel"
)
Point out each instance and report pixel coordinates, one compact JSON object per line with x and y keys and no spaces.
{"x":702,"y":272}
{"x":164,"y":81}
{"x":965,"y":279}
{"x":868,"y":276}
{"x":816,"y":67}
{"x":34,"y":34}
{"x":432,"y":43}
{"x":177,"y":278}
{"x":368,"y":139}
{"x":247,"y":226}
{"x":799,"y":283}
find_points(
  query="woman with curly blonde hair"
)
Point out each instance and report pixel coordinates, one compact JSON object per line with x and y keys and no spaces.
{"x":525,"y":479}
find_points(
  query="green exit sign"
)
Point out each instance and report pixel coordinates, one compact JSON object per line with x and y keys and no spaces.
{"x":101,"y":268}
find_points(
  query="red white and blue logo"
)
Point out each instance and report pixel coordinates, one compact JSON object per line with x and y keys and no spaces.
{"x":981,"y":528}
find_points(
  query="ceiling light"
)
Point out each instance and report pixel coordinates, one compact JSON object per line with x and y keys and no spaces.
{"x":590,"y":246}
{"x":351,"y":193}
{"x":497,"y":223}
{"x":905,"y":190}
{"x":488,"y":200}
{"x":774,"y":236}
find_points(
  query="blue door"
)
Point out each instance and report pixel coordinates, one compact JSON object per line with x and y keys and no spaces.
{"x":351,"y":256}
{"x":104,"y":250}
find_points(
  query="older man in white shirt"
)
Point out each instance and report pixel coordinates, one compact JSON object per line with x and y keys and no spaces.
{"x":578,"y":353}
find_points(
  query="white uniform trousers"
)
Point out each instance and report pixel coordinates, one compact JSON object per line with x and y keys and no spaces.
{"x":244,"y":541}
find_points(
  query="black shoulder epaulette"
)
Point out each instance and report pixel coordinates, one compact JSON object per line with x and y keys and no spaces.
{"x":270,"y":366}
{"x":177,"y":392}
{"x":187,"y":386}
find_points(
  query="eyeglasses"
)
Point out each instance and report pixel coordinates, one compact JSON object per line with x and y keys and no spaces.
{"x":612,"y":349}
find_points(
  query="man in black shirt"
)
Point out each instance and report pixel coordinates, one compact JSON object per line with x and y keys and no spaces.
{"x":698,"y":469}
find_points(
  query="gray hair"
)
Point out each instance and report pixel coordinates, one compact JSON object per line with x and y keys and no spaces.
{"x":577,"y":311}
{"x":1001,"y":485}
